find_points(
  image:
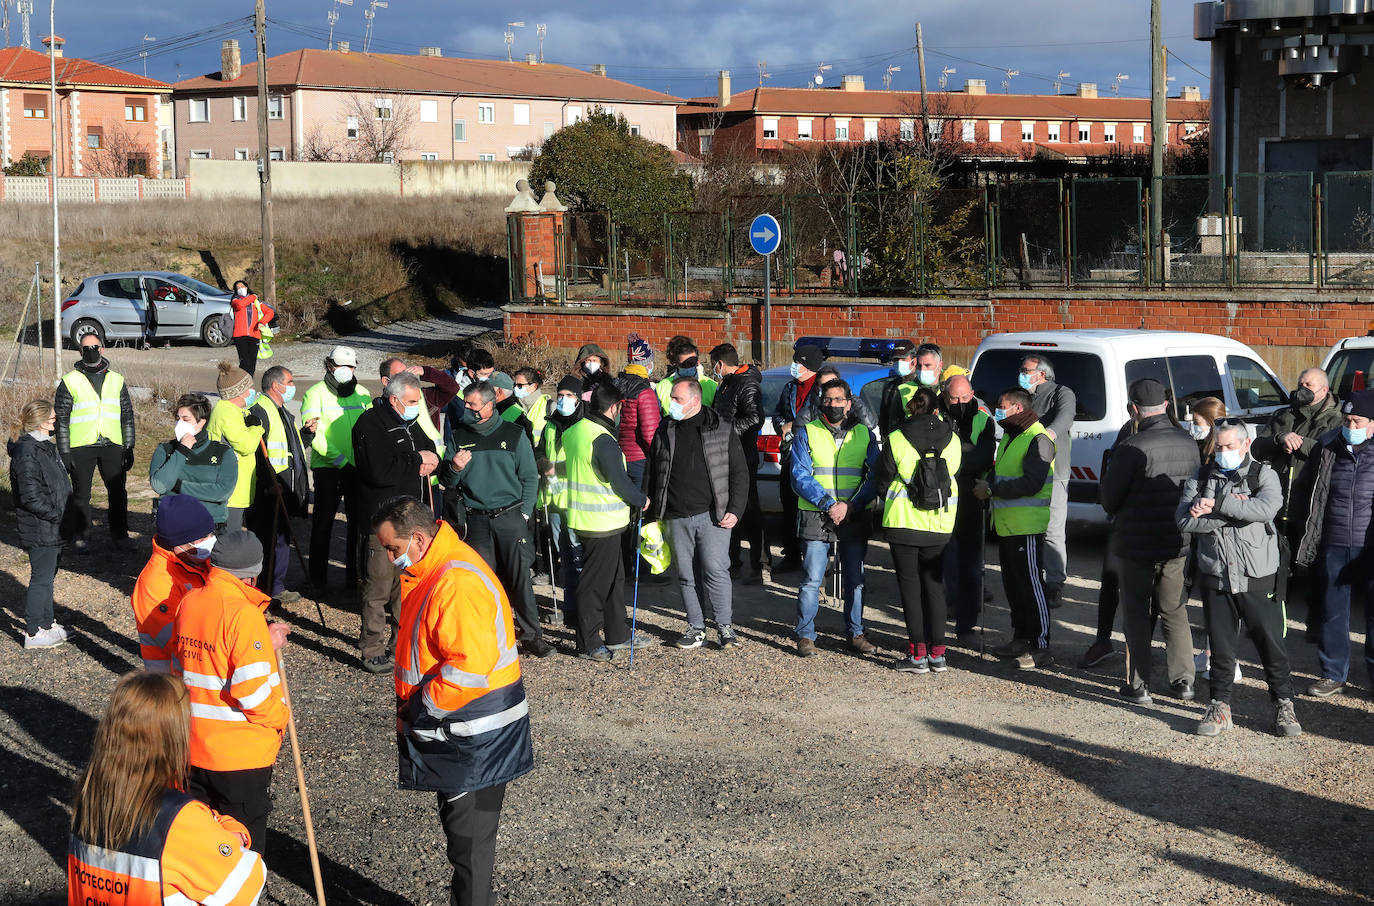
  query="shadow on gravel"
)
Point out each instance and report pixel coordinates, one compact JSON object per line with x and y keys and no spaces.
{"x":1286,"y":822}
{"x":37,"y":788}
{"x":289,"y":858}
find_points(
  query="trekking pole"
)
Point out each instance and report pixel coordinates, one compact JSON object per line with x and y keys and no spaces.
{"x":300,"y":781}
{"x":835,"y":568}
{"x":548,"y":550}
{"x":634,"y":603}
{"x":290,"y":533}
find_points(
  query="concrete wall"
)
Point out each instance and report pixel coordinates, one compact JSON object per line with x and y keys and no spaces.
{"x":292,"y":179}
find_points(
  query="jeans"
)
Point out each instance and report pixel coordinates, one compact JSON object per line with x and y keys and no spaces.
{"x":1348,"y":576}
{"x":815,"y":557}
{"x":1150,"y":587}
{"x":700,"y":555}
{"x":38,"y":597}
{"x":964,"y":565}
{"x":1056,"y":552}
{"x":568,"y":553}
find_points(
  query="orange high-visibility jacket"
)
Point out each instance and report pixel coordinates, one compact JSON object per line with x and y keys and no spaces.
{"x":227,"y":662}
{"x":462,"y":718}
{"x":157,"y":595}
{"x":189,"y":855}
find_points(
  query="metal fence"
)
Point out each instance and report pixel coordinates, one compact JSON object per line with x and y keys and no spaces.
{"x":1261,"y":229}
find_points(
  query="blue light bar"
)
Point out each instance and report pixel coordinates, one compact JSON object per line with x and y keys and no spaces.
{"x":879,"y":348}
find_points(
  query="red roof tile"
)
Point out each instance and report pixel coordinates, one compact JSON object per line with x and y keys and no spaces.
{"x":314,"y":68}
{"x":20,"y":64}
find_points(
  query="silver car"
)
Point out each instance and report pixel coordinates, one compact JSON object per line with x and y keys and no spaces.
{"x":116,"y":307}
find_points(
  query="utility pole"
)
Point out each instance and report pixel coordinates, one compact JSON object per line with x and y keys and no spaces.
{"x":1159,"y":137}
{"x":921,"y":64}
{"x":54,"y":167}
{"x":269,"y":250}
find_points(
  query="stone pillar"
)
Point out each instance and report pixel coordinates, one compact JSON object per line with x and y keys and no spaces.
{"x":536,"y":229}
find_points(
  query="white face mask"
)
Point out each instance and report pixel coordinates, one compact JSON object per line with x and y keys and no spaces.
{"x":1199,"y":432}
{"x":242,"y":291}
{"x":343,"y":374}
{"x":202,"y":549}
{"x":591,"y":366}
{"x":184,"y":429}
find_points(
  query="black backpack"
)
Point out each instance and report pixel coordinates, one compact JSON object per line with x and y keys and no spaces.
{"x":931,"y":486}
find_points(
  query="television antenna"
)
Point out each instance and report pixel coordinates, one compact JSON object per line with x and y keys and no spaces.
{"x":1116,"y":85}
{"x":25,"y":8}
{"x":370,"y":14}
{"x":887,"y":76}
{"x":5,"y":20}
{"x":763,"y":72}
{"x":1059,"y":80}
{"x":1006,"y":83}
{"x":144,"y":53}
{"x":510,"y":38}
{"x":334,"y":18}
{"x":945,"y":73}
{"x":819,"y":78}
{"x":541,"y":32}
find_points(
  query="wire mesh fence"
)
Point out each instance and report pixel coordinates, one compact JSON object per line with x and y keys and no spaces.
{"x":815,"y":243}
{"x":884,"y":230}
{"x":1348,"y":229}
{"x":1274,"y":231}
{"x":1193,"y":219}
{"x":1108,"y":230}
{"x":1029,"y":223}
{"x":698,"y":262}
{"x":953,"y":242}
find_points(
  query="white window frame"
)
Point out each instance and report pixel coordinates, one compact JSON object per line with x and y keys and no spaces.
{"x":241,"y":154}
{"x":574,"y":115}
{"x":486,"y":114}
{"x":277,"y":154}
{"x":200,"y":154}
{"x":1053,"y":131}
{"x":203,"y":104}
{"x":460,"y":130}
{"x":804,"y":129}
{"x":969,"y":131}
{"x":842,"y":131}
{"x":1137,"y":133}
{"x":1027,"y":130}
{"x":429,"y":111}
{"x":382,"y":108}
{"x":429,"y":155}
{"x":520,"y":114}
{"x":1085,"y":132}
{"x":276,"y":107}
{"x":770,"y":127}
{"x":486,"y":157}
{"x":351,"y":127}
{"x":870,"y":130}
{"x":935,"y":129}
{"x":550,"y":127}
{"x":240,"y":108}
{"x":635,"y":129}
{"x":1109,"y":133}
{"x":994,"y":130}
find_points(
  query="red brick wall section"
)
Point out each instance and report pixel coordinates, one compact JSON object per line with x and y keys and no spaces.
{"x":539,"y":252}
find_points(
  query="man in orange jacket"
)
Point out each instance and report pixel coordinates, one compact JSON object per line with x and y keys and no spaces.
{"x":462,"y":721}
{"x":181,"y":547}
{"x":228,"y":661}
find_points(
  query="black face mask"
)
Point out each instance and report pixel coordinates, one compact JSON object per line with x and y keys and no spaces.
{"x":90,"y":354}
{"x":957,"y":411}
{"x":1302,"y":397}
{"x":833,"y":414}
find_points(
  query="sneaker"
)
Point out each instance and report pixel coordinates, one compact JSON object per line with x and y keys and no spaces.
{"x":1034,"y":657}
{"x":61,"y":631}
{"x":638,"y":642}
{"x":1285,"y":721}
{"x":912,"y":664}
{"x":862,"y":645}
{"x":692,"y":638}
{"x":1013,"y":649}
{"x":601,"y":655}
{"x":377,"y":664}
{"x":1097,"y":653}
{"x":806,"y":648}
{"x":45,"y":638}
{"x":1183,"y":690}
{"x":728,"y":639}
{"x":938,"y":664}
{"x":1136,"y":695}
{"x":1217,"y":719}
{"x":1320,"y":689}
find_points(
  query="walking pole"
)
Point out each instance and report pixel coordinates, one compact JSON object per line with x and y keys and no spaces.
{"x":548,"y":550}
{"x":300,"y":781}
{"x":634,"y":605}
{"x":290,"y":533}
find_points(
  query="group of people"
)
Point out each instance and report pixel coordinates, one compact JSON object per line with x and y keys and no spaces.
{"x":451,"y":480}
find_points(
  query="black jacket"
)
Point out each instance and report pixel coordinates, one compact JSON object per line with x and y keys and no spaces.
{"x":924,"y":432}
{"x":41,"y":490}
{"x":1310,"y":423}
{"x":386,"y":451}
{"x":739,"y":401}
{"x":1352,"y":518}
{"x":725,"y":467}
{"x":1141,"y":486}
{"x":62,"y":405}
{"x":295,"y":479}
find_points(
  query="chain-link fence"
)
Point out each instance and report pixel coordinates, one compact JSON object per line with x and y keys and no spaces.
{"x":1274,"y":231}
{"x":1348,"y":229}
{"x":1029,"y":223}
{"x":1108,"y":231}
{"x":1193,"y":220}
{"x":815,"y":244}
{"x":884,"y":229}
{"x":698,"y":255}
{"x":953,"y":241}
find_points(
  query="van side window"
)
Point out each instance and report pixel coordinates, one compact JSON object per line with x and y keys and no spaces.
{"x":1254,"y":386}
{"x":997,"y":369}
{"x":1192,"y":377}
{"x":1343,"y":366}
{"x":121,"y":288}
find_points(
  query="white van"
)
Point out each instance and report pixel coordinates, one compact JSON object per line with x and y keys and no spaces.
{"x":1348,"y":365}
{"x":1098,"y":366}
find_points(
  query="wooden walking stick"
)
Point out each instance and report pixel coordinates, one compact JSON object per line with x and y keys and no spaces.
{"x":300,"y":780}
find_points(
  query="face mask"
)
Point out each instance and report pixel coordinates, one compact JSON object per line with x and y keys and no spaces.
{"x":904,"y":368}
{"x":522,"y":392}
{"x":957,"y":411}
{"x":242,"y":291}
{"x":1025,"y":381}
{"x":999,"y":414}
{"x":1302,"y":397}
{"x":833,"y":414}
{"x":252,"y":397}
{"x":403,"y":561}
{"x":1355,"y":436}
{"x":1229,"y":460}
{"x":411,"y":413}
{"x":90,"y":354}
{"x":343,"y":374}
{"x":796,"y":370}
{"x":1199,"y":432}
{"x":201,"y":552}
{"x":693,"y":372}
{"x":567,"y":405}
{"x":468,"y":416}
{"x":184,"y":429}
{"x":591,"y":366}
{"x":927,"y":377}
{"x":675,"y":411}
{"x":288,"y":394}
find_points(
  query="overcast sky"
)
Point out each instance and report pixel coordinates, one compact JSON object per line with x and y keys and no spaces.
{"x":679,"y":50}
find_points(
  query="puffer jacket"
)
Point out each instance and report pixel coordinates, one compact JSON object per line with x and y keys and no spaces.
{"x":739,"y":400}
{"x":41,"y":490}
{"x":725,"y":467}
{"x":1140,"y":488}
{"x":1237,"y":541}
{"x":639,"y":416}
{"x":1340,"y":507}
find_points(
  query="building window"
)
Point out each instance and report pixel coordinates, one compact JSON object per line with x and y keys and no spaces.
{"x":549,"y":128}
{"x":35,"y":107}
{"x":1138,"y":133}
{"x":704,"y":142}
{"x":995,"y":130}
{"x":842,"y":132}
{"x":486,"y":113}
{"x":276,"y":154}
{"x":1053,"y":131}
{"x":520,"y":114}
{"x":804,"y":129}
{"x":429,"y":155}
{"x":1085,"y":132}
{"x":1028,"y":132}
{"x":870,"y":130}
{"x":240,"y":108}
{"x":200,"y":110}
{"x":1189,"y":128}
{"x":135,"y":112}
{"x":351,"y":127}
{"x":1109,"y":133}
{"x":935,"y":130}
{"x":486,"y":157}
{"x":93,"y":139}
{"x":634,"y":129}
{"x":460,"y":130}
{"x":274,"y":107}
{"x":770,"y":128}
{"x":241,"y":154}
{"x":200,"y":155}
{"x":429,"y":111}
{"x":574,"y":115}
{"x":388,"y":157}
{"x":383,"y":106}
{"x":969,"y":130}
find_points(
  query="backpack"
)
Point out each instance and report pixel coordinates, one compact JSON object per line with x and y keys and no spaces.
{"x":931,"y":486}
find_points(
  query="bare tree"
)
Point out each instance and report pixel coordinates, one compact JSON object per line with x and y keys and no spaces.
{"x":121,"y":153}
{"x":370,"y":128}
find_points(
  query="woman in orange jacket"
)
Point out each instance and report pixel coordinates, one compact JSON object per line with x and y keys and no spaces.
{"x":250,"y":315}
{"x":137,"y":839}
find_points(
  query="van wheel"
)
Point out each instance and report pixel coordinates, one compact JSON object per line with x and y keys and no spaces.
{"x":212,"y":333}
{"x":84,"y":328}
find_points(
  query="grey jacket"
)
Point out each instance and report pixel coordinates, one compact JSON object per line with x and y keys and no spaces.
{"x":1056,"y":405}
{"x":1236,"y":542}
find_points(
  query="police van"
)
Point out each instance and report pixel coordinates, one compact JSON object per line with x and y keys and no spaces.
{"x":1098,"y":366}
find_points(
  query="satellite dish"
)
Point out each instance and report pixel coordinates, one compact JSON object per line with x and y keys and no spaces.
{"x":820,"y":79}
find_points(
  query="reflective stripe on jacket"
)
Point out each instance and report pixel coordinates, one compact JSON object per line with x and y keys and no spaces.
{"x":593,"y":505}
{"x":94,"y":415}
{"x":1020,"y":515}
{"x":898,"y":510}
{"x":227,"y":426}
{"x":839,"y":469}
{"x":274,"y":427}
{"x":164,"y":581}
{"x":332,"y":446}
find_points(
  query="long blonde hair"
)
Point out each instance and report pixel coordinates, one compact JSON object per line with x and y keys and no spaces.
{"x":32,"y":417}
{"x":1211,"y":409}
{"x":142,"y":747}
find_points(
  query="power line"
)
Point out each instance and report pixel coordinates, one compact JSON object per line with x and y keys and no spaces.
{"x":1189,"y":65}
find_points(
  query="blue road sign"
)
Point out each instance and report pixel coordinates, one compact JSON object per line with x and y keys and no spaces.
{"x":764,"y":234}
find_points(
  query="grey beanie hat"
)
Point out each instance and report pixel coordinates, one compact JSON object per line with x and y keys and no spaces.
{"x":238,"y":553}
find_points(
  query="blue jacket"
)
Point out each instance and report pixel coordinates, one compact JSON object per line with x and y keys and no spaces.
{"x":1341,"y":507}
{"x":804,"y":481}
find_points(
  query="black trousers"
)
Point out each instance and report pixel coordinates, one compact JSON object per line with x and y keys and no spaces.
{"x":1022,"y":579}
{"x":470,"y":821}
{"x":333,"y":486}
{"x":791,"y":542}
{"x":1264,"y":624}
{"x":243,"y":795}
{"x":921,"y":582}
{"x":38,"y":597}
{"x":601,"y":593}
{"x":750,"y":525}
{"x":506,"y":544}
{"x":247,"y":348}
{"x":109,"y":459}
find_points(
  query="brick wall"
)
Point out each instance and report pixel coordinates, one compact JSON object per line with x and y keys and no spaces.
{"x":539,"y":250}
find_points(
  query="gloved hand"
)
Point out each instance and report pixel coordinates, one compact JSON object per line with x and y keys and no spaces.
{"x":252,"y":419}
{"x":67,"y":462}
{"x":128,"y":458}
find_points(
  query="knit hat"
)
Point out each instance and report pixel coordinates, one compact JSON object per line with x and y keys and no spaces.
{"x":344,"y":355}
{"x":239,"y":554}
{"x":809,"y":357}
{"x":233,"y":382}
{"x":501,"y":381}
{"x":1361,"y":404}
{"x":591,"y":349}
{"x":639,"y":351}
{"x":181,"y":519}
{"x":572,"y":383}
{"x":1146,"y":393}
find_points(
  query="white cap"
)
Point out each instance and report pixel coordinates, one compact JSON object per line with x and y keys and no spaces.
{"x":344,"y":355}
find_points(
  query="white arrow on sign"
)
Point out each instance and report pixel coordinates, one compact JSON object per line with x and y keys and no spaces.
{"x":765,"y":234}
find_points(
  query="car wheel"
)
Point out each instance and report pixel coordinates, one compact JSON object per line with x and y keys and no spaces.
{"x":87,"y":327}
{"x":212,"y":333}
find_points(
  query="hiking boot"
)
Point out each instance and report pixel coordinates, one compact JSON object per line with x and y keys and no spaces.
{"x":377,"y":664}
{"x":692,"y":638}
{"x":1285,"y":721}
{"x":638,"y":642}
{"x":1182,"y":690}
{"x":1325,"y":687}
{"x":912,"y":664}
{"x":289,"y":597}
{"x":1034,"y":657}
{"x":537,"y":647}
{"x":1013,"y":649}
{"x":937,"y":659}
{"x":600,"y":654}
{"x":45,"y":638}
{"x":806,"y":648}
{"x":1217,"y":719}
{"x":1136,"y":695}
{"x":728,"y":639}
{"x":1097,"y":653}
{"x":1053,"y":597}
{"x":862,"y":645}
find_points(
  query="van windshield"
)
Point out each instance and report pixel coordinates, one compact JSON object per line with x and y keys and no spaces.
{"x":1343,"y":366}
{"x":1081,"y":372}
{"x":1192,"y":377}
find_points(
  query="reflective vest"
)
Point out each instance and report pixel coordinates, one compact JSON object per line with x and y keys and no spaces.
{"x":538,"y":414}
{"x":664,"y":388}
{"x":1020,"y":515}
{"x":94,"y":415}
{"x":332,"y":447}
{"x":278,"y":445}
{"x":898,"y":510}
{"x":189,"y":854}
{"x":161,"y":585}
{"x":839,"y":470}
{"x":554,"y":491}
{"x":230,"y":669}
{"x":593,"y":506}
{"x":227,"y":426}
{"x":462,"y":717}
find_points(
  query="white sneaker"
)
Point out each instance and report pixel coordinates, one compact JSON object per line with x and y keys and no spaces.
{"x":61,"y":631}
{"x":44,"y":638}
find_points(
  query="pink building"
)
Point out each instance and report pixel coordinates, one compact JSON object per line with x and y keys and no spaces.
{"x":339,"y":105}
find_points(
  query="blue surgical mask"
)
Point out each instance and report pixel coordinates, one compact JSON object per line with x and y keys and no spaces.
{"x":927,"y":377}
{"x":904,"y":368}
{"x":522,"y":391}
{"x":567,"y":405}
{"x":1229,"y":460}
{"x":288,"y":394}
{"x":675,"y":411}
{"x":252,"y":398}
{"x":411,"y":413}
{"x":1355,"y":436}
{"x":1025,"y":381}
{"x":796,"y":370}
{"x":999,"y":414}
{"x":1199,"y":432}
{"x":403,"y":561}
